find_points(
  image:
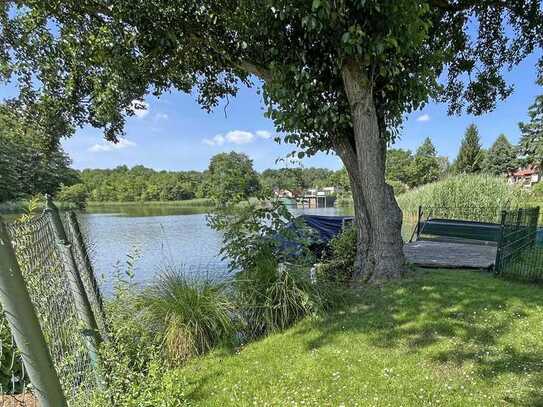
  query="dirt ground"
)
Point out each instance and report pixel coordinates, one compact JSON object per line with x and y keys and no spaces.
{"x":18,"y":400}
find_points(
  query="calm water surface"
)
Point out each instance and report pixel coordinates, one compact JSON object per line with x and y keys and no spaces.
{"x":160,"y":237}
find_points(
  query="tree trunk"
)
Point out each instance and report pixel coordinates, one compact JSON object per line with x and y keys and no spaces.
{"x":380,"y":254}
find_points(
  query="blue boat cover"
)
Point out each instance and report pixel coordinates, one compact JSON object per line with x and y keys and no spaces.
{"x":326,"y":226}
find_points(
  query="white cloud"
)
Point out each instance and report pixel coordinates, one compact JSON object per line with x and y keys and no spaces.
{"x":109,"y":146}
{"x":218,"y":140}
{"x":161,"y":116}
{"x":140,"y":108}
{"x":424,"y":118}
{"x":263,"y":134}
{"x":239,"y":137}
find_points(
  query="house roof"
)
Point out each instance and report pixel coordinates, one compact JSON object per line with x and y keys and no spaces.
{"x":522,"y":172}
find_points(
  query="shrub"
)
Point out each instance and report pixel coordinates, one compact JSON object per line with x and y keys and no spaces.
{"x":339,"y":267}
{"x":472,"y":197}
{"x":76,"y":194}
{"x":128,"y":354}
{"x":188,"y":316}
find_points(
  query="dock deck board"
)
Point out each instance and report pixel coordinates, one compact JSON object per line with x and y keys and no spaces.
{"x":427,"y":253}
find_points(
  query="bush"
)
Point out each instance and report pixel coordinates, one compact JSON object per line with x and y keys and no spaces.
{"x":339,"y":267}
{"x":186,"y":315}
{"x":76,"y":194}
{"x":472,"y":197}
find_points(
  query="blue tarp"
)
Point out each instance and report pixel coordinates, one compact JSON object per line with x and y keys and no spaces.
{"x":326,"y":226}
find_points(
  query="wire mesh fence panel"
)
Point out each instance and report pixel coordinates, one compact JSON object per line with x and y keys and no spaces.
{"x":48,"y":285}
{"x":83,"y":262}
{"x":518,"y":256}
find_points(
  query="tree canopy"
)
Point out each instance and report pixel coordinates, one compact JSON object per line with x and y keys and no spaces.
{"x":416,"y":169}
{"x":470,"y":157}
{"x":231,"y":178}
{"x":531,"y":141}
{"x":501,"y":157}
{"x":103,"y":55}
{"x":28,"y":163}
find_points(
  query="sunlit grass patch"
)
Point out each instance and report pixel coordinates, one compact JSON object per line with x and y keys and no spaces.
{"x":436,"y":338}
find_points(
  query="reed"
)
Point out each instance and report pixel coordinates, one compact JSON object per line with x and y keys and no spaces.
{"x":472,"y":197}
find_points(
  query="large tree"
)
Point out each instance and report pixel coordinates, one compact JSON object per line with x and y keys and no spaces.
{"x":531,"y":140}
{"x":337,"y":75}
{"x":501,"y":157}
{"x":470,"y":156}
{"x":425,"y":167}
{"x":398,"y":165}
{"x":231,"y":178}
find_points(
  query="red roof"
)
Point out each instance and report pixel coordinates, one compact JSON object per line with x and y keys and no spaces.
{"x":522,"y":172}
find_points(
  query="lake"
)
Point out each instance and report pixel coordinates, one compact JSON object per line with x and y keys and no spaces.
{"x":161,"y":237}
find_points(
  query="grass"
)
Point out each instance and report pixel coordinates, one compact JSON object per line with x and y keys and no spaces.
{"x":454,"y":338}
{"x":189,"y":316}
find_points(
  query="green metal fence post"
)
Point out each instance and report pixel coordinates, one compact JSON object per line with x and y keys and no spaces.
{"x":499,"y":248}
{"x":91,"y":333}
{"x":25,"y":327}
{"x":419,"y":220}
{"x":93,"y":291}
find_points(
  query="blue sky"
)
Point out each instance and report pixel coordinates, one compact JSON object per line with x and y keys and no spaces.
{"x":173,"y":133}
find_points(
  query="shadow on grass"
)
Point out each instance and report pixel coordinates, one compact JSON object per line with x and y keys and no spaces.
{"x":471,"y":311}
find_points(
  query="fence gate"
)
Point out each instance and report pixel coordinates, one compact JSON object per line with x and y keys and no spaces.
{"x":517,"y":254}
{"x":52,"y":315}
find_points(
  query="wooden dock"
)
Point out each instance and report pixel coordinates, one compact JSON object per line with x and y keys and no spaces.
{"x":427,"y":253}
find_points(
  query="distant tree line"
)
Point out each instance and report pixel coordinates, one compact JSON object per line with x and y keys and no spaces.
{"x":228,"y":174}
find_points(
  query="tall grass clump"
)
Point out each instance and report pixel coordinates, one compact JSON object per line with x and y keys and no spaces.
{"x":272,"y":296}
{"x":470,"y":197}
{"x":188,"y":316}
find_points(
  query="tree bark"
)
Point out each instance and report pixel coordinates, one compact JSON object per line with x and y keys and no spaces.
{"x":379,"y":218}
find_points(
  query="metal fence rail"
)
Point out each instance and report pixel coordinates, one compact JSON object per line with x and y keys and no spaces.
{"x":517,"y":254}
{"x":51,"y":268}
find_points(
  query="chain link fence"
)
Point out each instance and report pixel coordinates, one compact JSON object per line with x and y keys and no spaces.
{"x":518,"y":255}
{"x":50,"y":255}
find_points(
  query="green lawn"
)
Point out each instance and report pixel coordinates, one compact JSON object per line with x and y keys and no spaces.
{"x":452,"y":338}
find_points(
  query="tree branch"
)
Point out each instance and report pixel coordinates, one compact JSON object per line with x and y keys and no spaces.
{"x":465,"y":5}
{"x":257,"y":70}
